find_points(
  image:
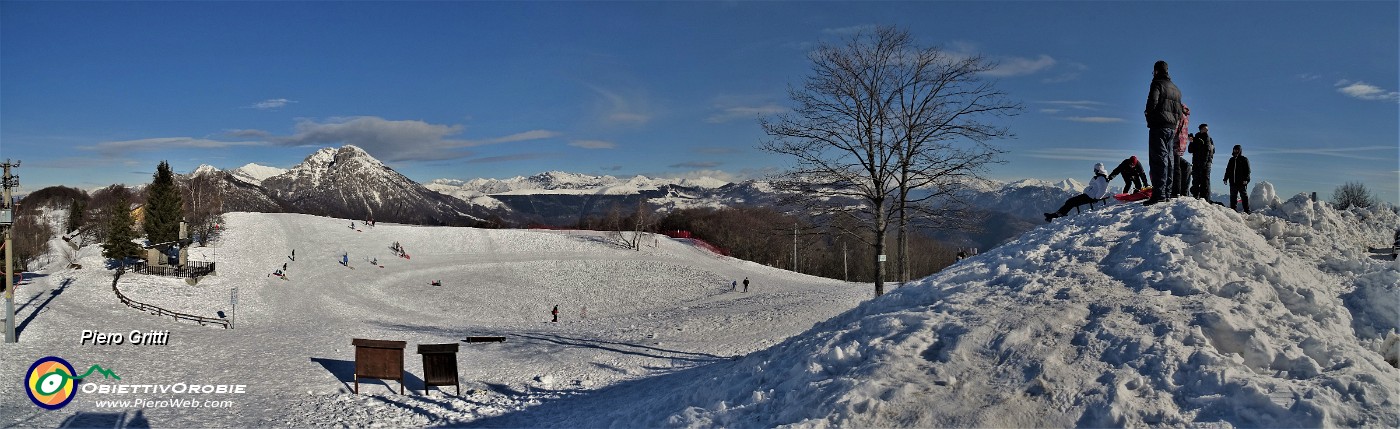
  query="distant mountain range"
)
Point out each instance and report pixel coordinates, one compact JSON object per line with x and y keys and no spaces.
{"x":347,"y":182}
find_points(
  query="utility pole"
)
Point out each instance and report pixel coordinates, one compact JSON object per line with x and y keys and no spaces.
{"x":8,"y":209}
{"x":794,"y":247}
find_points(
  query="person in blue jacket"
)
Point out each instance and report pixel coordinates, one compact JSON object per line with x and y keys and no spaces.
{"x":1097,"y":190}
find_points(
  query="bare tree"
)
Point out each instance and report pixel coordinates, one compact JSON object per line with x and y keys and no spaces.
{"x":204,"y":204}
{"x":941,"y":138}
{"x":1352,"y":194}
{"x":877,"y":119}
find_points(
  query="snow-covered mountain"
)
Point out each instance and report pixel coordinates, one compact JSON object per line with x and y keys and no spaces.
{"x":254,"y":174}
{"x":236,"y":193}
{"x":562,"y":198}
{"x":348,"y":182}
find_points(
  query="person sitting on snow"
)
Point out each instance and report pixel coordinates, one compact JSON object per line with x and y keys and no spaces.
{"x":1097,"y":190}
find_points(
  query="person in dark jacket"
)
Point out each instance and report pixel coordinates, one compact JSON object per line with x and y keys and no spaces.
{"x":555,"y":313}
{"x":1237,"y":176}
{"x":1202,"y":155}
{"x":1181,"y":182}
{"x":746,"y":284}
{"x":1133,"y":176}
{"x":1162,"y":113}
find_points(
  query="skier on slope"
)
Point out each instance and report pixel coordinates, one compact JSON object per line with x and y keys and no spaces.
{"x":1097,"y":190}
{"x":555,"y":313}
{"x":746,"y":284}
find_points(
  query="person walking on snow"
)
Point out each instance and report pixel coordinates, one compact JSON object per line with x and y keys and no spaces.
{"x":555,"y":313}
{"x":1202,"y":155}
{"x":1237,"y":176}
{"x":1133,"y":176}
{"x":734,"y":285}
{"x":1162,"y":114}
{"x":1097,"y":190}
{"x":746,"y":284}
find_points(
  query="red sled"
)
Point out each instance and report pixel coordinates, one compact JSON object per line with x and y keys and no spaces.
{"x":1140,"y":195}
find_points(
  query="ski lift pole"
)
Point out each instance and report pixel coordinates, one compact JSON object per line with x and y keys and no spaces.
{"x":9,"y":181}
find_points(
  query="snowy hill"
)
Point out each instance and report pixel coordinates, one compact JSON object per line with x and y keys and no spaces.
{"x":1178,"y":314}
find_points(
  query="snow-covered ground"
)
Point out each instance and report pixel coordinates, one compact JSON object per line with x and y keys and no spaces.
{"x":655,"y":311}
{"x":1176,"y":314}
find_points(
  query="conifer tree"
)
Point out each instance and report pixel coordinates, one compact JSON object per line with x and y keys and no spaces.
{"x":164,"y":208}
{"x":75,"y":215}
{"x":119,"y":235}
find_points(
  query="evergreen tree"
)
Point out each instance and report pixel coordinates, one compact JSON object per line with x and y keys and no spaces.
{"x":75,"y":215}
{"x":119,"y":235}
{"x":164,"y":208}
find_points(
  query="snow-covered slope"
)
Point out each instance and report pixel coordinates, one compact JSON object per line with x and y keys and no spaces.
{"x":624,"y":314}
{"x":1178,"y":314}
{"x":1183,"y":313}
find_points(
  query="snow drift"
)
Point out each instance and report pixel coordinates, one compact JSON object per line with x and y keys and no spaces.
{"x":1175,"y":314}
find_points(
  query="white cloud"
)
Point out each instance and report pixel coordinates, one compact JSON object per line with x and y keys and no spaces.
{"x":271,"y":104}
{"x":697,"y":164}
{"x":1366,"y":91}
{"x":593,"y":144}
{"x":1094,"y":119}
{"x":622,"y":110}
{"x":528,"y":135}
{"x":727,"y":114}
{"x":164,"y":143}
{"x":1017,"y":66}
{"x":1338,"y":152}
{"x":1051,"y":111}
{"x":1105,"y":156}
{"x":847,"y":31}
{"x":387,"y":140}
{"x":1071,"y":72}
{"x":1076,"y":104}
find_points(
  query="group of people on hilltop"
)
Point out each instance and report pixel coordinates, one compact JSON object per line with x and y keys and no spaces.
{"x":1167,"y":120}
{"x":1167,"y":143}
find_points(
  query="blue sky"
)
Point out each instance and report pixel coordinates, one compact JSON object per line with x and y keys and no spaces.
{"x":98,"y":93}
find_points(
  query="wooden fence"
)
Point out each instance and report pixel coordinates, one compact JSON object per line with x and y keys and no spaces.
{"x":161,"y":311}
{"x":191,"y":269}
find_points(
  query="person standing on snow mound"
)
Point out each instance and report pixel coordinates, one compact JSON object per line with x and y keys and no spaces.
{"x":1097,"y":190}
{"x":746,"y":284}
{"x":555,"y":313}
{"x":1202,"y":155}
{"x":1237,"y":176}
{"x":1133,"y":176}
{"x":1162,"y":113}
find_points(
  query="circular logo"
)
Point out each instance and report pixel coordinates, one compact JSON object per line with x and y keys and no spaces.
{"x":49,"y":383}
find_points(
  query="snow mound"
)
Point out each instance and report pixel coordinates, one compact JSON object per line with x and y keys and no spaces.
{"x":1177,"y":314}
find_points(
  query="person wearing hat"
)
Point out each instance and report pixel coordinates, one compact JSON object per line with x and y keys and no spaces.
{"x":1237,"y":176}
{"x":1097,"y":190}
{"x":1162,"y":113}
{"x":1202,"y":155}
{"x":1133,"y":176}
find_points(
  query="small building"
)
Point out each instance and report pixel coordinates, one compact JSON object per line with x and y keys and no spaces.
{"x":170,"y":253}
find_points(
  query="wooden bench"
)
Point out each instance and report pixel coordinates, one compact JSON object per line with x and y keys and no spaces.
{"x":378,"y":359}
{"x":439,"y":366}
